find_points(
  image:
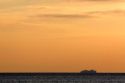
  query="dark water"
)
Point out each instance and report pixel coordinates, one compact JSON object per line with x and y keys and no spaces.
{"x":61,"y":78}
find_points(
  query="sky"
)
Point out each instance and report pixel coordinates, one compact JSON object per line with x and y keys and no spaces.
{"x":62,"y":35}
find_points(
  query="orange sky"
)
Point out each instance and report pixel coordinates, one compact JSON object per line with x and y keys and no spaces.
{"x":62,"y":35}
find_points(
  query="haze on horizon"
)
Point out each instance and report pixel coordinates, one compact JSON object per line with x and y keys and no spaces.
{"x":62,"y":35}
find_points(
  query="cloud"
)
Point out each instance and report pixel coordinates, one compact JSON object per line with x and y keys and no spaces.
{"x":63,"y":16}
{"x":90,"y":14}
{"x":117,"y":11}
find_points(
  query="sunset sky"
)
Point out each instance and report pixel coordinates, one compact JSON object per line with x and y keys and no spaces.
{"x":62,"y":35}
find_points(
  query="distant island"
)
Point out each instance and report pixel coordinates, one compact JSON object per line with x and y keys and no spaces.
{"x":89,"y":71}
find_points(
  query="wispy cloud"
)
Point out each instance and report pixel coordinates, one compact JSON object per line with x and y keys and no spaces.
{"x":116,"y":11}
{"x":63,"y":16}
{"x":90,"y":14}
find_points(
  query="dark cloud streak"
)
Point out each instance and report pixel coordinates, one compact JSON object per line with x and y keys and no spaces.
{"x":64,"y":16}
{"x":81,"y":16}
